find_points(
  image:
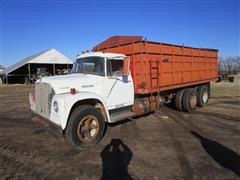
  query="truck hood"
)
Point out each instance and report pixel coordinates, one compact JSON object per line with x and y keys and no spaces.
{"x":81,"y":82}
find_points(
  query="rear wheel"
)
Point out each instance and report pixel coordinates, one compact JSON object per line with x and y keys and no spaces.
{"x":178,"y":100}
{"x":189,"y":100}
{"x":85,"y":127}
{"x":203,"y":95}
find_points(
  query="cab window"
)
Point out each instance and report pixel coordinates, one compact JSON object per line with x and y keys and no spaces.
{"x":114,"y":67}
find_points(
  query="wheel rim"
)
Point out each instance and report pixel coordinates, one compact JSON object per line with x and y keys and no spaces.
{"x":205,"y":97}
{"x":193,"y":101}
{"x":87,"y":128}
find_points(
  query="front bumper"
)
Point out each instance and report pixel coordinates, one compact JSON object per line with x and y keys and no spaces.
{"x":44,"y":123}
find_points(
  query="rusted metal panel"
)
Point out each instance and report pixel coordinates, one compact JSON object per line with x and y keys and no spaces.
{"x":116,"y":41}
{"x":145,"y":105}
{"x":160,"y":66}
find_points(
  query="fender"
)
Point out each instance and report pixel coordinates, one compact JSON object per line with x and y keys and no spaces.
{"x":70,"y":100}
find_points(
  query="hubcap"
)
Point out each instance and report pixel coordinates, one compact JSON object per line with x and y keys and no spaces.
{"x":87,"y":128}
{"x":205,"y":96}
{"x":193,"y":101}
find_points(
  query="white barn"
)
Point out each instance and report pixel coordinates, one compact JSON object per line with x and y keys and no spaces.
{"x":47,"y":63}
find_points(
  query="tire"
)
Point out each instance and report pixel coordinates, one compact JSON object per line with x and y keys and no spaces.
{"x":231,"y":79}
{"x":79,"y":132}
{"x":189,"y":100}
{"x":203,"y":95}
{"x":178,"y":100}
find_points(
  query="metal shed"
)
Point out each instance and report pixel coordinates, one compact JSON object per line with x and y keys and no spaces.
{"x":47,"y":63}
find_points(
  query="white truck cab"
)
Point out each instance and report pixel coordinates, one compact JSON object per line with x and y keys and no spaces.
{"x":98,"y":90}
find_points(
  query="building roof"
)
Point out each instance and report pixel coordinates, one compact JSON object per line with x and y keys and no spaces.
{"x":50,"y":56}
{"x":2,"y":68}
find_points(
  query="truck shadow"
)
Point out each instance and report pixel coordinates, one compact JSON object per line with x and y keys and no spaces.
{"x":116,"y":157}
{"x":221,"y":154}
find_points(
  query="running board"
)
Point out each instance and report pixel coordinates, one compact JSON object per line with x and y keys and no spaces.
{"x":121,"y":116}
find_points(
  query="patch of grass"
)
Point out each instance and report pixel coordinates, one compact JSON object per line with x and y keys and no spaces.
{"x":16,"y":88}
{"x":226,"y":89}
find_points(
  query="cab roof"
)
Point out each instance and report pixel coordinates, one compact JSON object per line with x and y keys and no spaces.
{"x":101,"y":54}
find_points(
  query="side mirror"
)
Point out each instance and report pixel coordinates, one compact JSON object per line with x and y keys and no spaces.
{"x":126,"y":66}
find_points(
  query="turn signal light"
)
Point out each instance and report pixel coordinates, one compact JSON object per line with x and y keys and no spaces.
{"x":73,"y":91}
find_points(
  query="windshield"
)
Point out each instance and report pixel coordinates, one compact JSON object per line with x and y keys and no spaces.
{"x":89,"y":65}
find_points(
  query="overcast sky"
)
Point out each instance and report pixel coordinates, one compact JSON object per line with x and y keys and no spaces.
{"x":29,"y":27}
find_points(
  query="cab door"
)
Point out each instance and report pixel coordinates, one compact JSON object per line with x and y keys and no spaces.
{"x":118,"y":85}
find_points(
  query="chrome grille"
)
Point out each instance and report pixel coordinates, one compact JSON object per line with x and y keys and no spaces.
{"x":43,"y":97}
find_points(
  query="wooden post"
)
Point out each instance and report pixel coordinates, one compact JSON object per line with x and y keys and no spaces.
{"x":4,"y":79}
{"x":67,"y":69}
{"x":7,"y":79}
{"x":29,"y":69}
{"x":54,"y":69}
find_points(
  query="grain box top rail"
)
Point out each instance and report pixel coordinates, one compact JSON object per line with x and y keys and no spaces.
{"x":116,"y":41}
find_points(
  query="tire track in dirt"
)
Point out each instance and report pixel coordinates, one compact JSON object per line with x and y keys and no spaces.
{"x":183,"y":160}
{"x":13,"y":169}
{"x":15,"y":125}
{"x":219,"y":115}
{"x":13,"y":95}
{"x":17,"y":122}
{"x":25,"y":160}
{"x":185,"y":165}
{"x":221,"y":122}
{"x":130,"y":129}
{"x":188,"y":125}
{"x":185,"y":122}
{"x":224,"y":106}
{"x":214,"y":118}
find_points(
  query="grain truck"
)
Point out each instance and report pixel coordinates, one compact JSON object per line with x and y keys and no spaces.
{"x":122,"y":77}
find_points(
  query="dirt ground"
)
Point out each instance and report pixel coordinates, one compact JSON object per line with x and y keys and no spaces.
{"x":164,"y":145}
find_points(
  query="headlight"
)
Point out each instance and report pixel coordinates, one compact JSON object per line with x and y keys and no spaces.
{"x":55,"y":106}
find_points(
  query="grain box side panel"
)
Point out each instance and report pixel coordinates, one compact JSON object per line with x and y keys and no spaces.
{"x":141,"y":74}
{"x":154,"y":72}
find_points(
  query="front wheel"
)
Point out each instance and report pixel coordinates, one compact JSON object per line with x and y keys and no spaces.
{"x":85,"y":127}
